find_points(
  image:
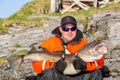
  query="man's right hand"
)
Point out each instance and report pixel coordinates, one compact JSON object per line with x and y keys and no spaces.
{"x":105,"y":71}
{"x":61,"y":65}
{"x":79,"y":64}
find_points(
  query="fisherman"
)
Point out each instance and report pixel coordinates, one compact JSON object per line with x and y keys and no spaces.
{"x":69,"y":40}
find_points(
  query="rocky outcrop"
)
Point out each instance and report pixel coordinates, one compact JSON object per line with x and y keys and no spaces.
{"x":107,"y":27}
{"x":102,"y":27}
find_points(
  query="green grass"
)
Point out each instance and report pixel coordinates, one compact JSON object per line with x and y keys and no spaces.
{"x":3,"y":60}
{"x":17,"y":46}
{"x":1,"y":28}
{"x":22,"y":52}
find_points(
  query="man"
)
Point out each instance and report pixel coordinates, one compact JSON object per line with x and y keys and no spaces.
{"x":69,"y":40}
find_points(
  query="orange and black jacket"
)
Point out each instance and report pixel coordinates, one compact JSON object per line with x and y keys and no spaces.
{"x":55,"y":44}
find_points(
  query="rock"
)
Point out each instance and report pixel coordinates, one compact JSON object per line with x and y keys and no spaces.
{"x":15,"y":29}
{"x":105,"y":26}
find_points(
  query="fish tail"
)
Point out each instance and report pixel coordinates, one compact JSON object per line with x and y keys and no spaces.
{"x":15,"y":62}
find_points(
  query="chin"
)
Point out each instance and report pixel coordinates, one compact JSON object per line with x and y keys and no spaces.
{"x":69,"y":39}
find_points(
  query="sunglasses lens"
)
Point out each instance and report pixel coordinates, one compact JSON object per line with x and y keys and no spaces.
{"x":73,"y":28}
{"x":67,"y":29}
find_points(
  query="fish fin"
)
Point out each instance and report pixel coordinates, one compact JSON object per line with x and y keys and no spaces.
{"x":15,"y":62}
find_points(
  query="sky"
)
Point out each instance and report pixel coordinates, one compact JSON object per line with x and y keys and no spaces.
{"x":9,"y":7}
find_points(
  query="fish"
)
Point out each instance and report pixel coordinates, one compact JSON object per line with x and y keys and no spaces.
{"x":91,"y":52}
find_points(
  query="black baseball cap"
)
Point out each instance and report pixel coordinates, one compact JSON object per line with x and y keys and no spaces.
{"x":68,"y":20}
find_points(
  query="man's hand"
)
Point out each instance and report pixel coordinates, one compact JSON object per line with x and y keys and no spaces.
{"x":105,"y":71}
{"x":79,"y":64}
{"x":61,"y":65}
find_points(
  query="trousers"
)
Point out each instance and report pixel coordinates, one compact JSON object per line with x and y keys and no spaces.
{"x":53,"y":74}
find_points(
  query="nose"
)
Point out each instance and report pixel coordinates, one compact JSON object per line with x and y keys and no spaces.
{"x":70,"y":31}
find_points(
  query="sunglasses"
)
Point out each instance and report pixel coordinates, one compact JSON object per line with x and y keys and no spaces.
{"x":67,"y":29}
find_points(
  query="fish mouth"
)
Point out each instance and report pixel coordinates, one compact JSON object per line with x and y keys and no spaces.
{"x":99,"y":49}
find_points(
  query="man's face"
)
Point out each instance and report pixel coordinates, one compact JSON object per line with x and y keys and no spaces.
{"x":68,"y":32}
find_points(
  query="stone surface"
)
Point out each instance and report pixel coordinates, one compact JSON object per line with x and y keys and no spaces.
{"x":106,"y":26}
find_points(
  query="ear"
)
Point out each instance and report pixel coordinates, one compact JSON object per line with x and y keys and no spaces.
{"x":60,"y":29}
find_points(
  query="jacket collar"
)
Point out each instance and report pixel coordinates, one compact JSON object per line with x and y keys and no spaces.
{"x":76,"y":40}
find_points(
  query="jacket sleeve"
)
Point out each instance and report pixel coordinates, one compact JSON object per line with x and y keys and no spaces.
{"x":95,"y":65}
{"x":52,"y":44}
{"x":39,"y":66}
{"x":49,"y":45}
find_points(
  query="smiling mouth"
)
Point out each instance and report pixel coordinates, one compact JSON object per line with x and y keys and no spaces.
{"x":70,"y":35}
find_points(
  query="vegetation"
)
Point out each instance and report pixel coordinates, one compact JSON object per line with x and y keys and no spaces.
{"x":17,"y":46}
{"x":3,"y":60}
{"x":35,"y":8}
{"x":22,"y":52}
